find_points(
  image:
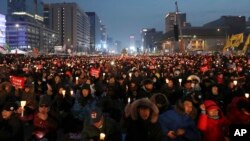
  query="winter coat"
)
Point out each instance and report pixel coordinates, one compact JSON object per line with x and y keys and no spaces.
{"x":173,"y":119}
{"x":142,"y":130}
{"x":11,"y":129}
{"x":110,"y":128}
{"x":235,"y":115}
{"x":212,"y":129}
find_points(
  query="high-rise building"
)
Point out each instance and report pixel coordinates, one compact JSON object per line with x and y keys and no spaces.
{"x":172,"y":18}
{"x":25,"y":10}
{"x":96,"y":31}
{"x":25,"y":29}
{"x":149,"y":37}
{"x":2,"y":30}
{"x":72,"y":24}
{"x":230,"y":24}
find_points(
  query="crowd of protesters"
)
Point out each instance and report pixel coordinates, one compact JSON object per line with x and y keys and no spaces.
{"x":114,"y":98}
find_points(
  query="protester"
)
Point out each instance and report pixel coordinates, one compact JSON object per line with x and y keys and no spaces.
{"x":178,"y":124}
{"x":212,"y":122}
{"x":10,"y":126}
{"x":101,"y":124}
{"x":141,"y":121}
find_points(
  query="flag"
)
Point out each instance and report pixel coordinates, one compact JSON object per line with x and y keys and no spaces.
{"x":247,"y":42}
{"x":236,"y":39}
{"x":228,"y":44}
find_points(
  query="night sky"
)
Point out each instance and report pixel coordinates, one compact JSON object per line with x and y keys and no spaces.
{"x":125,"y":17}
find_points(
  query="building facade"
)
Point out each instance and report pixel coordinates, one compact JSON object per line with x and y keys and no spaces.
{"x":2,"y":30}
{"x":25,"y":29}
{"x":96,"y":31}
{"x":72,"y":24}
{"x":195,"y":39}
{"x":149,"y":37}
{"x":172,"y":18}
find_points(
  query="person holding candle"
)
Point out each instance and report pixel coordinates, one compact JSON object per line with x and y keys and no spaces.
{"x":141,"y":121}
{"x":10,"y":126}
{"x":101,"y":127}
{"x":44,"y":124}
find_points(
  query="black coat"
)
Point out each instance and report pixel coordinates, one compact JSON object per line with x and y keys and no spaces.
{"x":11,"y":129}
{"x":139,"y":130}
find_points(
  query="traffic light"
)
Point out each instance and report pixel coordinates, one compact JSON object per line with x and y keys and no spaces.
{"x":176,"y":32}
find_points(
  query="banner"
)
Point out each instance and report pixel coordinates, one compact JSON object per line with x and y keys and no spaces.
{"x":244,"y":50}
{"x":95,"y":72}
{"x":228,"y":44}
{"x":236,"y":39}
{"x":17,"y":81}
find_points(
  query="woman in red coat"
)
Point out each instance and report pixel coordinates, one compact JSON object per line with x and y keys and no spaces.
{"x":212,"y":122}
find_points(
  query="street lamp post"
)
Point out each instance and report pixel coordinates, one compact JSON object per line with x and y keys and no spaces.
{"x":17,"y":27}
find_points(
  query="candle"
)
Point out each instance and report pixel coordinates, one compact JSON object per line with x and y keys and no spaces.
{"x":77,"y":78}
{"x":130,"y":74}
{"x":247,"y":95}
{"x":129,"y":100}
{"x":167,"y":80}
{"x":71,"y":92}
{"x":63,"y":92}
{"x":23,"y":103}
{"x":235,"y":82}
{"x":180,"y":80}
{"x":102,"y":136}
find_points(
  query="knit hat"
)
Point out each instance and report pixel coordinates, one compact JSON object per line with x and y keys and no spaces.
{"x":95,"y":115}
{"x":10,"y":106}
{"x":209,"y":104}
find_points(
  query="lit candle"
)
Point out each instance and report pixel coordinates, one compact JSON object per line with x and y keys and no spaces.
{"x":167,"y":80}
{"x":77,"y":78}
{"x":71,"y":92}
{"x":180,"y":80}
{"x":23,"y":103}
{"x":130,"y":74}
{"x":247,"y":95}
{"x":235,"y":82}
{"x":63,"y":92}
{"x":129,"y":100}
{"x":102,"y":136}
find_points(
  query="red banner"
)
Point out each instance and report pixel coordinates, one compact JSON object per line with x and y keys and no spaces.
{"x":95,"y":72}
{"x":17,"y":81}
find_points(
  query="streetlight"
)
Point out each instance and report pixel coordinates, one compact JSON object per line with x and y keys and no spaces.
{"x":17,"y":27}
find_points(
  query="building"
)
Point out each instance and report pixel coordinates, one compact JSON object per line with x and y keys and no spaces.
{"x":195,"y":39}
{"x":25,"y":11}
{"x":25,"y":29}
{"x":72,"y":24}
{"x":232,"y":24}
{"x":171,"y":20}
{"x":2,"y":30}
{"x":96,"y":31}
{"x":149,"y":37}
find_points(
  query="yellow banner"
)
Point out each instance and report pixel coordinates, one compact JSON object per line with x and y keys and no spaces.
{"x":244,"y":50}
{"x":236,"y":39}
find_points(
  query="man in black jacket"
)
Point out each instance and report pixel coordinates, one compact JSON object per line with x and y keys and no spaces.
{"x":10,"y":125}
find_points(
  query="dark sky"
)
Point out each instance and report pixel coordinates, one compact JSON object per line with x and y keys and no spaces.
{"x":125,"y":17}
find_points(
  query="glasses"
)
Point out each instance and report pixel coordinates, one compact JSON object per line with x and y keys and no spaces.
{"x":44,"y":106}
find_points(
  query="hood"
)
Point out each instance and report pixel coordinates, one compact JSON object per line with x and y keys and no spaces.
{"x":131,"y":110}
{"x":209,"y":104}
